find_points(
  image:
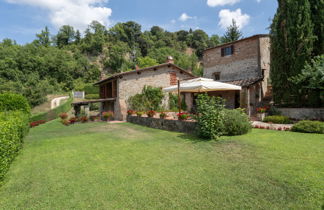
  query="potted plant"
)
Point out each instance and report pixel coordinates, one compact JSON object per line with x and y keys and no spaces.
{"x":261,"y":113}
{"x":107,"y":115}
{"x":151,"y":113}
{"x":130,"y":112}
{"x":73,"y":120}
{"x":84,"y":119}
{"x":93,"y":118}
{"x":163,"y":115}
{"x":183,"y":116}
{"x":63,"y":116}
{"x":139,"y":114}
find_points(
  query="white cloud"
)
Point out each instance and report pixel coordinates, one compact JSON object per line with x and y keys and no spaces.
{"x":77,"y":13}
{"x":215,"y":3}
{"x":226,"y":16}
{"x":184,"y":17}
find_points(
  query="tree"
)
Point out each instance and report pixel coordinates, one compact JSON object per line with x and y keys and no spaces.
{"x":65,"y":36}
{"x":213,"y":41}
{"x":317,"y":15}
{"x":44,"y":38}
{"x":77,"y":37}
{"x":311,"y":80}
{"x":232,"y":33}
{"x":144,"y":62}
{"x":291,"y":47}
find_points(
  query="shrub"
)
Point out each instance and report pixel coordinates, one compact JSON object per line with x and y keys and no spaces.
{"x":107,"y":115}
{"x":90,"y":89}
{"x":273,"y":111}
{"x":92,"y":96}
{"x":173,"y":103}
{"x":307,"y":126}
{"x":277,"y":119}
{"x":163,"y":115}
{"x":236,"y":122}
{"x":149,"y":99}
{"x":151,"y":113}
{"x":63,"y":116}
{"x":139,"y":114}
{"x":262,"y":109}
{"x":65,"y":122}
{"x":13,"y":102}
{"x":183,"y":116}
{"x":210,"y":116}
{"x":13,"y":128}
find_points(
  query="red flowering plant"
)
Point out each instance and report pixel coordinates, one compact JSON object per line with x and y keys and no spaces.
{"x":37,"y":123}
{"x":130,"y":112}
{"x":84,"y":119}
{"x":63,"y":116}
{"x":107,"y":115}
{"x":183,"y":116}
{"x":262,"y":109}
{"x":150,"y":113}
{"x":93,"y":118}
{"x":73,"y":120}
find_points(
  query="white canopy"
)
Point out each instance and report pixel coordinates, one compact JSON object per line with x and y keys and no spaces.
{"x":201,"y":85}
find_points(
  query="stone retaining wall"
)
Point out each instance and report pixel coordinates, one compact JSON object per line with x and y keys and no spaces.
{"x":303,"y":113}
{"x":164,"y":124}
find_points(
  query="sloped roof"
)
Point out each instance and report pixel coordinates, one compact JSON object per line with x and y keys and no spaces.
{"x":146,"y":69}
{"x":245,"y":82}
{"x":240,"y":40}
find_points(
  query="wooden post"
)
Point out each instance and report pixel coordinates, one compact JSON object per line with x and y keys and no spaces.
{"x":179,"y":97}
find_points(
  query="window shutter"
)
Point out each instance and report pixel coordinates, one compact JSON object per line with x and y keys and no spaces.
{"x":232,"y":49}
{"x":222,"y":52}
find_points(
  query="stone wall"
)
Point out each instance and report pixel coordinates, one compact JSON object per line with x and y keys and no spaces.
{"x":133,"y":84}
{"x":303,"y":113}
{"x":163,"y":124}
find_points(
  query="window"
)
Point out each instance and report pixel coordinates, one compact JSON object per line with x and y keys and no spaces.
{"x":217,"y":76}
{"x":226,"y":51}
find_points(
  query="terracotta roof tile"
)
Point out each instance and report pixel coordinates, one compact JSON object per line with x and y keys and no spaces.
{"x":245,"y":82}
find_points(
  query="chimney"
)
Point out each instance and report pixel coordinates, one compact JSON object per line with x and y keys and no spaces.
{"x":170,"y":59}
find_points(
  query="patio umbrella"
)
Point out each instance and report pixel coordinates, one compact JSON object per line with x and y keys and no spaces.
{"x":200,"y":85}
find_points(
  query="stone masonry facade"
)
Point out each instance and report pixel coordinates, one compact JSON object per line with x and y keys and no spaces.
{"x":248,"y":65}
{"x":133,"y":83}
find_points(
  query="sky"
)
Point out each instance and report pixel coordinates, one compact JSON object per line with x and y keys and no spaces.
{"x":22,"y":19}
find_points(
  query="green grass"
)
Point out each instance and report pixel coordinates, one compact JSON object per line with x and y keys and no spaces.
{"x":125,"y":166}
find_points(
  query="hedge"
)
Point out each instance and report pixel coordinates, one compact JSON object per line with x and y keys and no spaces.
{"x":54,"y":113}
{"x":307,"y":126}
{"x":92,"y":96}
{"x":13,"y":128}
{"x":277,"y":119}
{"x":13,"y":102}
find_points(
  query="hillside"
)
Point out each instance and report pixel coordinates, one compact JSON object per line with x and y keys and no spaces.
{"x":68,"y":60}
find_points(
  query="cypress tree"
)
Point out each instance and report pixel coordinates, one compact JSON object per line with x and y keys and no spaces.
{"x":291,"y":47}
{"x":317,"y":15}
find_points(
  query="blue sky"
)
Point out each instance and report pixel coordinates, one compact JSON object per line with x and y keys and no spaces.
{"x":22,"y":19}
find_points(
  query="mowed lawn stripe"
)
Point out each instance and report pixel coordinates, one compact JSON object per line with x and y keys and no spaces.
{"x":105,"y":166}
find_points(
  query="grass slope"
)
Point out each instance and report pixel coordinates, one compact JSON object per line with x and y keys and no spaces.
{"x":124,"y":166}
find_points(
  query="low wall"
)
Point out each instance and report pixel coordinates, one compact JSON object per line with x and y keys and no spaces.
{"x":164,"y":124}
{"x":303,"y":113}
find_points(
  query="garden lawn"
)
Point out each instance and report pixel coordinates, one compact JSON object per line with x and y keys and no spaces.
{"x":125,"y":166}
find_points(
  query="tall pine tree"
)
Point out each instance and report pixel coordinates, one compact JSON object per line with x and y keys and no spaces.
{"x":232,"y":33}
{"x":292,"y":41}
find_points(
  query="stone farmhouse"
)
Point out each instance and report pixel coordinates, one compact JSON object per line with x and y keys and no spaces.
{"x":245,"y":63}
{"x":116,"y":89}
